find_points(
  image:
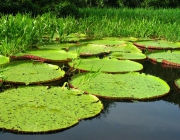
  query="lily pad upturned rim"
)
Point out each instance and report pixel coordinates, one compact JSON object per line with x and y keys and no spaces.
{"x":177,"y":83}
{"x":97,"y":65}
{"x":155,"y":47}
{"x":31,"y":63}
{"x":167,"y":59}
{"x":37,"y":100}
{"x":128,"y":56}
{"x":122,"y":96}
{"x":44,"y":59}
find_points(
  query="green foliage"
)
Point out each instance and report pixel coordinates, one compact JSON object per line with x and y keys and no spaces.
{"x":70,"y":7}
{"x":65,"y":9}
{"x":14,"y":7}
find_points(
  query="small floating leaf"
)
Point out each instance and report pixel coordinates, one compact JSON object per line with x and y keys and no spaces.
{"x":177,"y":83}
{"x":122,"y":86}
{"x":4,"y":59}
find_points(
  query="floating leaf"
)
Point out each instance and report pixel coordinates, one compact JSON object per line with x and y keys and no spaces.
{"x":177,"y":83}
{"x":4,"y":59}
{"x":121,"y":86}
{"x":41,"y":109}
{"x":121,"y":38}
{"x":31,"y":72}
{"x":167,"y":58}
{"x":157,"y":44}
{"x":96,"y":49}
{"x":75,"y":37}
{"x":106,"y":65}
{"x":130,"y":56}
{"x":46,"y":55}
{"x":108,"y":42}
{"x":55,"y":46}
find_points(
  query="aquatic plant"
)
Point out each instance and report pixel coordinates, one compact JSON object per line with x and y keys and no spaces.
{"x":39,"y":109}
{"x":170,"y":58}
{"x":122,"y":86}
{"x":107,"y":65}
{"x":157,"y":44}
{"x":31,"y":72}
{"x":4,"y":59}
{"x":46,"y":55}
{"x":129,"y":56}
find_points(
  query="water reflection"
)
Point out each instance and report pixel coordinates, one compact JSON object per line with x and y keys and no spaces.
{"x":167,"y":74}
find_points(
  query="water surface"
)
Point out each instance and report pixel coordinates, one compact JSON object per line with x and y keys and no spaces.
{"x":145,"y":120}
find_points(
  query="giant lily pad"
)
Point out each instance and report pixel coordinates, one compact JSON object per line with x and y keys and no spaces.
{"x":106,"y":65}
{"x":42,"y":109}
{"x":4,"y":59}
{"x":167,"y":58}
{"x":177,"y":83}
{"x":108,"y":42}
{"x":55,"y":46}
{"x":31,"y":72}
{"x":96,"y":49}
{"x":121,"y":38}
{"x":121,"y":86}
{"x":47,"y":55}
{"x":130,"y":56}
{"x":75,"y":37}
{"x":157,"y":44}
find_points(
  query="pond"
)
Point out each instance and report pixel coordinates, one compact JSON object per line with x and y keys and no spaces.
{"x":137,"y":120}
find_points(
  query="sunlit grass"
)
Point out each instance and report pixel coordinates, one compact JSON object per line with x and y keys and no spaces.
{"x":20,"y":32}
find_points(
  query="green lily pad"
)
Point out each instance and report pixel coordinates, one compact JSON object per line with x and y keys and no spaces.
{"x":108,"y":42}
{"x":75,"y":37}
{"x":55,"y":46}
{"x":177,"y":83}
{"x":41,"y":109}
{"x":157,"y":45}
{"x":121,"y":86}
{"x":47,"y":55}
{"x":31,"y":72}
{"x":88,"y":50}
{"x":130,"y":56}
{"x":167,"y":58}
{"x":121,"y":38}
{"x":106,"y":65}
{"x":96,"y":49}
{"x":4,"y":59}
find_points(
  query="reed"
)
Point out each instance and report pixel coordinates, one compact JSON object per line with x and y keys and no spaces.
{"x":21,"y":32}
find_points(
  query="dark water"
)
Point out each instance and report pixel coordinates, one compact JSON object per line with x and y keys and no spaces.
{"x":148,"y":120}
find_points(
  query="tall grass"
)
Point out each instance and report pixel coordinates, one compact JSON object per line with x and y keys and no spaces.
{"x":20,"y":32}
